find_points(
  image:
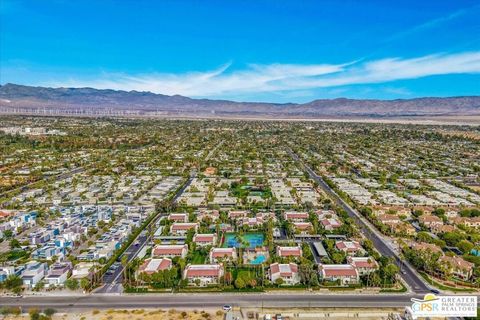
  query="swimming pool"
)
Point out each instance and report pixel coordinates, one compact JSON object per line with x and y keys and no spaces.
{"x":258,"y":260}
{"x":251,"y":240}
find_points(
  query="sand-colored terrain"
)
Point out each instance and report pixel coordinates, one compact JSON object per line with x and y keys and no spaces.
{"x":140,"y":314}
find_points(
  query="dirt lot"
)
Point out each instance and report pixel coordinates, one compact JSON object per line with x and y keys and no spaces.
{"x":141,"y":314}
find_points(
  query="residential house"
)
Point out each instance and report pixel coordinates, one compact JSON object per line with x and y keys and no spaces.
{"x":235,"y":214}
{"x":213,"y":215}
{"x":150,"y":266}
{"x":349,"y":247}
{"x":205,"y":239}
{"x":178,"y":217}
{"x":444,"y":228}
{"x":295,"y":216}
{"x":473,"y":222}
{"x":34,"y":272}
{"x":430,"y":221}
{"x":170,"y":251}
{"x":427,"y":248}
{"x":58,"y":273}
{"x":203,"y":274}
{"x":219,"y":254}
{"x":288,"y":272}
{"x":459,"y":267}
{"x":8,"y":271}
{"x":389,"y":219}
{"x":345,"y":274}
{"x":405,"y":228}
{"x":182,"y":228}
{"x":330,"y":224}
{"x":254,"y":222}
{"x":364,"y":265}
{"x":285,"y":252}
{"x":302,"y":227}
{"x":326,"y":214}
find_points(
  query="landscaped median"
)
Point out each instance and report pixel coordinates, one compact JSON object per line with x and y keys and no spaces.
{"x":443,"y":286}
{"x":276,"y":289}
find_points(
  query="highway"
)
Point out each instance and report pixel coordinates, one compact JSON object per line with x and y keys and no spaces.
{"x":212,"y":300}
{"x":411,"y":277}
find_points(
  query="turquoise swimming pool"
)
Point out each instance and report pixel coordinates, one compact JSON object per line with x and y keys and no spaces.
{"x":251,"y":240}
{"x":258,"y":260}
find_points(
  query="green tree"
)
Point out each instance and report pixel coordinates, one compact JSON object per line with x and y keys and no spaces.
{"x":85,"y":284}
{"x":14,"y":244}
{"x":465,"y":246}
{"x":338,"y":257}
{"x":34,"y":314}
{"x":279,"y":281}
{"x":13,"y":282}
{"x":239,"y":283}
{"x":72,"y":284}
{"x":49,"y":312}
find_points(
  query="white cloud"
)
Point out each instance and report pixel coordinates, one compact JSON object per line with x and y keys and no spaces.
{"x":433,"y":23}
{"x":276,"y":78}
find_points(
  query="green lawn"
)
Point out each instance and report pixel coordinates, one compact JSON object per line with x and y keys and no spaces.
{"x":246,"y":274}
{"x":198,"y":257}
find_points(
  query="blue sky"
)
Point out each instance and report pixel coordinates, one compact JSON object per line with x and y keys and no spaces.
{"x":275,"y":51}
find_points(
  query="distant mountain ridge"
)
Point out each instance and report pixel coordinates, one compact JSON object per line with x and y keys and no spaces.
{"x":20,"y":98}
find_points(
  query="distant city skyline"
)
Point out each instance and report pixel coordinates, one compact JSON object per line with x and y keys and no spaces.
{"x":288,"y":51}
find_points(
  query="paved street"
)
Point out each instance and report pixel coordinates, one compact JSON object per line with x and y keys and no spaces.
{"x":413,"y":280}
{"x":113,"y":282}
{"x":215,"y":300}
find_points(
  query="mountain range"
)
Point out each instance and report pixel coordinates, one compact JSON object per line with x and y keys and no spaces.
{"x":19,"y":99}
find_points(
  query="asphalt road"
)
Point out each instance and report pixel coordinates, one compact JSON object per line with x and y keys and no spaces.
{"x":413,"y":280}
{"x":113,"y":282}
{"x":252,"y":300}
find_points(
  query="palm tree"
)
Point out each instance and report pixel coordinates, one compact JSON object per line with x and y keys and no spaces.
{"x":93,"y":271}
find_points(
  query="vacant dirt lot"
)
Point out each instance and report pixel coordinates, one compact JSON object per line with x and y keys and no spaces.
{"x":136,"y":315}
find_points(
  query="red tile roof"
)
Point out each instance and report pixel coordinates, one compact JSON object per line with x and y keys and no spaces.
{"x":154,"y":265}
{"x":362,"y":262}
{"x":289,"y":251}
{"x":350,"y":246}
{"x":222,"y":252}
{"x":161,"y":250}
{"x":303,"y":225}
{"x":183,"y":226}
{"x":285,"y":270}
{"x":331,"y":222}
{"x":296,"y":215}
{"x":339,"y":270}
{"x":206,"y":237}
{"x":203,"y":270}
{"x":178,"y":216}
